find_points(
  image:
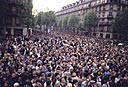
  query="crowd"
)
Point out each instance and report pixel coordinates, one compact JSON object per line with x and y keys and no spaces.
{"x":62,"y":60}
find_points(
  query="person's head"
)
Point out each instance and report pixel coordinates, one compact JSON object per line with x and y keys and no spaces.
{"x":34,"y":73}
{"x":5,"y":84}
{"x":19,"y":71}
{"x":63,"y":80}
{"x":4,"y":79}
{"x":57,"y":84}
{"x":28,"y":83}
{"x":69,"y":85}
{"x":42,"y":76}
{"x":16,"y":84}
{"x":19,"y":78}
{"x":13,"y":75}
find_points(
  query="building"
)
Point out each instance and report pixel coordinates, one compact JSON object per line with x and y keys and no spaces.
{"x":11,"y":17}
{"x":106,"y":11}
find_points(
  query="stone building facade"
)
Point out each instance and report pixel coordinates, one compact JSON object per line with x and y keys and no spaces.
{"x":106,"y":11}
{"x":11,"y":21}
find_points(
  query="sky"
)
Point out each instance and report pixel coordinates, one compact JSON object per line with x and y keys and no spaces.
{"x":54,"y":5}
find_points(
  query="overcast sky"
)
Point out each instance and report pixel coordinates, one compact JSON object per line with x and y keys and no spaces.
{"x":54,"y":5}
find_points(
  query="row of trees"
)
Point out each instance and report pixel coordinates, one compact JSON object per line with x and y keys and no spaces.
{"x":74,"y":23}
{"x":70,"y":23}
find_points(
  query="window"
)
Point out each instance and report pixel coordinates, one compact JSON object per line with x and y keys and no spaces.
{"x":13,"y":21}
{"x":103,"y":14}
{"x":103,"y":7}
{"x":95,"y":9}
{"x":9,"y":21}
{"x":111,"y":0}
{"x":99,"y":14}
{"x":109,"y":29}
{"x":17,"y":21}
{"x":99,"y":8}
{"x":18,"y":32}
{"x":118,"y":8}
{"x":107,"y":35}
{"x":111,"y":7}
{"x":109,"y":20}
{"x":13,"y":10}
{"x":110,"y":13}
{"x":103,"y":20}
{"x":101,"y":35}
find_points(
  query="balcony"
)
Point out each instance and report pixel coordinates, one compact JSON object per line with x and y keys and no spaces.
{"x":105,"y":23}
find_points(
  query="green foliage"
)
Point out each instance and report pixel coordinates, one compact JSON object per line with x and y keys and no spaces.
{"x":90,"y":20}
{"x":47,"y":18}
{"x":121,"y":22}
{"x":65,"y":22}
{"x":33,"y":20}
{"x":80,"y":25}
{"x":40,"y":19}
{"x":59,"y":23}
{"x":50,"y":18}
{"x":73,"y":21}
{"x":27,"y":13}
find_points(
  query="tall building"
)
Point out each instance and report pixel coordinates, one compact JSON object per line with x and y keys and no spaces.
{"x":106,"y":11}
{"x":11,"y":17}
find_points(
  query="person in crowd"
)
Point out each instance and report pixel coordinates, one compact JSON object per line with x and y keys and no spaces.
{"x":62,"y":60}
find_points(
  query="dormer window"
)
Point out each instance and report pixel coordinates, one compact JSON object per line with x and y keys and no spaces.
{"x":77,"y":3}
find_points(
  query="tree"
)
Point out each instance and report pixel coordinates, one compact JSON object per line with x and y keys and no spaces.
{"x":59,"y":23}
{"x":40,"y":19}
{"x":27,"y":13}
{"x":121,"y":22}
{"x":90,"y":21}
{"x":48,"y":19}
{"x":80,"y":27}
{"x":33,"y":20}
{"x":73,"y":22}
{"x":65,"y":21}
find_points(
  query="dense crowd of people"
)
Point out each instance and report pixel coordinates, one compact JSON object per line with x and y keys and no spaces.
{"x":62,"y":60}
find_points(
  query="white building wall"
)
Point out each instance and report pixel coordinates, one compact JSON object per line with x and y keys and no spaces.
{"x":12,"y":31}
{"x":24,"y":31}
